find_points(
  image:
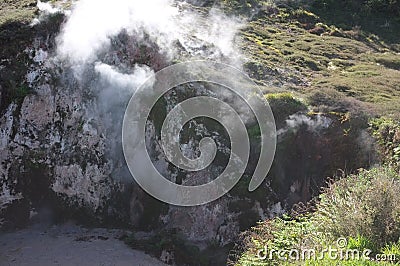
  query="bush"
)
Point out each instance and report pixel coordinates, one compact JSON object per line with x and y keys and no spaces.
{"x":387,"y":134}
{"x":366,"y":204}
{"x":392,"y":249}
{"x":363,"y":208}
{"x":283,"y":105}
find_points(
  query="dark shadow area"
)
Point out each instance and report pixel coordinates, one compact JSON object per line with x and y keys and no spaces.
{"x":15,"y":37}
{"x":379,"y":17}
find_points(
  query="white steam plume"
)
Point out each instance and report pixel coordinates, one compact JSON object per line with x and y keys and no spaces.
{"x":319,"y":122}
{"x":216,"y":30}
{"x":101,"y":42}
{"x":111,"y":74}
{"x":93,"y":22}
{"x":314,"y":124}
{"x":47,"y":7}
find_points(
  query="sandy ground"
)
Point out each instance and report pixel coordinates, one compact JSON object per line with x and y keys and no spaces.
{"x":69,"y":245}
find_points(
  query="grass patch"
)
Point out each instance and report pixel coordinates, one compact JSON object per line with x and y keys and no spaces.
{"x":294,"y":49}
{"x":22,"y":11}
{"x":388,"y":59}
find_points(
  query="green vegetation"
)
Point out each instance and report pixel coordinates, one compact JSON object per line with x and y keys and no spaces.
{"x":246,"y":7}
{"x":387,"y":134}
{"x":283,"y":105}
{"x":300,"y":51}
{"x":342,"y":57}
{"x":343,"y":61}
{"x":366,"y":204}
{"x":16,"y":35}
{"x":12,"y":11}
{"x":363,"y":208}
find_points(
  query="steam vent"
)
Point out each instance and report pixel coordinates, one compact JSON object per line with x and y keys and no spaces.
{"x":199,"y":132}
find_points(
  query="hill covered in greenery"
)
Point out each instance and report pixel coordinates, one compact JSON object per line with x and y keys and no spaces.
{"x":337,"y":56}
{"x":337,"y":59}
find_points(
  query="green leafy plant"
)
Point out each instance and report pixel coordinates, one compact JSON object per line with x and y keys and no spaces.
{"x":360,"y":243}
{"x":386,"y":131}
{"x":363,"y":208}
{"x":283,"y":105}
{"x":392,"y":249}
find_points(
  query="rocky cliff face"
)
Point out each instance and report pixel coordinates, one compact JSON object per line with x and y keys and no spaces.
{"x":60,"y":138}
{"x":50,"y":149}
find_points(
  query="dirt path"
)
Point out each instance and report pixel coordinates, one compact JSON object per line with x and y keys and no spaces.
{"x":68,"y":245}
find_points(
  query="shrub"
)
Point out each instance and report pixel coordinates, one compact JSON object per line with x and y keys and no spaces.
{"x":387,"y":134}
{"x":283,"y":105}
{"x":364,"y":208}
{"x":392,"y":249}
{"x":366,"y":204}
{"x":360,"y":243}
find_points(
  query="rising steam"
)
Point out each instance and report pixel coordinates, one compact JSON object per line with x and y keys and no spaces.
{"x":102,"y":39}
{"x":93,"y":23}
{"x":111,"y":75}
{"x":315,"y":124}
